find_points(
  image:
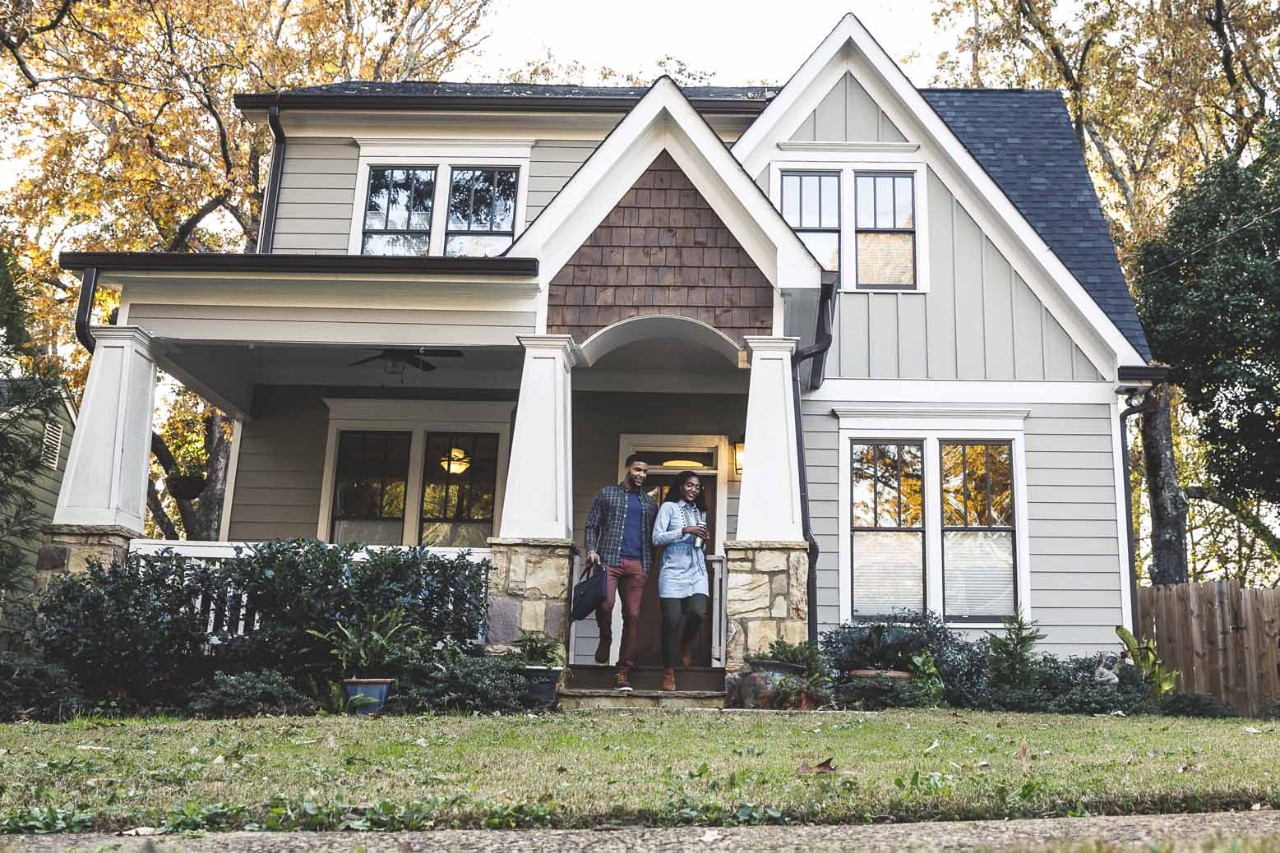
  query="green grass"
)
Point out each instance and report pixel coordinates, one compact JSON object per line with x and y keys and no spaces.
{"x":580,"y":770}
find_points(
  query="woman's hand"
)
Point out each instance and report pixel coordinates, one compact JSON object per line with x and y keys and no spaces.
{"x":696,"y":530}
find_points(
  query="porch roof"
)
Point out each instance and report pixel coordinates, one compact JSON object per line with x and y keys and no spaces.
{"x":211,"y":262}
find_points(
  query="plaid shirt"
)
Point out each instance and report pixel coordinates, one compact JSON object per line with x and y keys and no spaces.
{"x":606,"y":520}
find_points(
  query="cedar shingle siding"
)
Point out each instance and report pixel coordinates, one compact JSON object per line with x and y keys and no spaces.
{"x":661,"y":250}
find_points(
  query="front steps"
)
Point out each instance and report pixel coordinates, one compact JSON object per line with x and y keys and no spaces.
{"x":592,"y":687}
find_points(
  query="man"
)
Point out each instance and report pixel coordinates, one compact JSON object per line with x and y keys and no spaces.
{"x":617,"y":534}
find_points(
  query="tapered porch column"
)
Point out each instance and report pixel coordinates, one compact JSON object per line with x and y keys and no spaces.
{"x":533,"y":552}
{"x":767,"y":595}
{"x":103,"y":496}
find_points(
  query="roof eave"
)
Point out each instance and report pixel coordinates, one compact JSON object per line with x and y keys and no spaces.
{"x":209,"y":262}
{"x":456,"y":103}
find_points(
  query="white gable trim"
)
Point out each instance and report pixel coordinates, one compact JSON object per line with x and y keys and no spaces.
{"x":850,"y":46}
{"x":664,"y":120}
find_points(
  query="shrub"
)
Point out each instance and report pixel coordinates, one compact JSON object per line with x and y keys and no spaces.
{"x":456,"y":682}
{"x":248,"y":694}
{"x":30,"y":690}
{"x":1194,"y":705}
{"x":129,"y":632}
{"x":873,"y":645}
{"x":878,"y":692}
{"x":804,"y":654}
{"x":1012,"y":656}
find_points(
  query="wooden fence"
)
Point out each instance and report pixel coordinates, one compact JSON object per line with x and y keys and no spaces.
{"x":1222,"y":639}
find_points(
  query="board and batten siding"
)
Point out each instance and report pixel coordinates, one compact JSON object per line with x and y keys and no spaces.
{"x":977,"y":320}
{"x":317,"y":194}
{"x":551,"y":164}
{"x":847,"y":114}
{"x":1076,"y":565}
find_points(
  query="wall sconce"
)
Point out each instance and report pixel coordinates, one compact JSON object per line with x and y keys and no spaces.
{"x":456,"y":462}
{"x":739,"y":451}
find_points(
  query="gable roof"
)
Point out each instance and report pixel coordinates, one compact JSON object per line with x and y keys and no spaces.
{"x":1024,"y":140}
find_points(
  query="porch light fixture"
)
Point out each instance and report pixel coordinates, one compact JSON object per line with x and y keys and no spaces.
{"x":739,"y":451}
{"x":456,"y":462}
{"x":682,"y":463}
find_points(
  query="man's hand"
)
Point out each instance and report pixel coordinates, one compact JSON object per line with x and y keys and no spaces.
{"x":593,"y":558}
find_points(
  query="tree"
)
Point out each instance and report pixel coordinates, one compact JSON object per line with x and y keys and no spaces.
{"x":1209,"y":296}
{"x":123,"y":112}
{"x":1155,"y":91}
{"x":30,"y":394}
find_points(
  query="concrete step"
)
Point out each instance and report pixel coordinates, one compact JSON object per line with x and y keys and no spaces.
{"x":581,"y":699}
{"x":595,"y":677}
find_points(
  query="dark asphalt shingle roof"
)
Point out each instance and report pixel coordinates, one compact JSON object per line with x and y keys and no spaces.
{"x":1022,"y":138}
{"x":1025,"y":142}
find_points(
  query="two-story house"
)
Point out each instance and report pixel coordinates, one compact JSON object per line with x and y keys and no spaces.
{"x":886,"y":324}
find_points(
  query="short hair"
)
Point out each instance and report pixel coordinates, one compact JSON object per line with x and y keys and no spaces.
{"x":633,"y":458}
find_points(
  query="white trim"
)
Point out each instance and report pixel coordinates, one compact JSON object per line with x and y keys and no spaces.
{"x":850,"y":46}
{"x":960,"y":391}
{"x":647,"y":326}
{"x":1122,"y":521}
{"x":931,"y":424}
{"x":417,"y":417}
{"x":207,"y":550}
{"x":229,"y":490}
{"x":879,"y":149}
{"x":444,"y":156}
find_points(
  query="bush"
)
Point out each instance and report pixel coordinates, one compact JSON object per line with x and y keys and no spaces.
{"x":130,"y":633}
{"x":878,"y":692}
{"x":248,"y":694}
{"x":1194,"y":705}
{"x":457,"y":682}
{"x":873,"y":645}
{"x":30,"y":690}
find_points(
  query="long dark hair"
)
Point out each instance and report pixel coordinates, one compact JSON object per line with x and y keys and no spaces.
{"x":675,"y":490}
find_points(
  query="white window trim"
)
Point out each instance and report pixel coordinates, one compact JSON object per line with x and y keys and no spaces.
{"x":444,"y":156}
{"x":903,"y":162}
{"x":417,"y":417}
{"x":932,"y":424}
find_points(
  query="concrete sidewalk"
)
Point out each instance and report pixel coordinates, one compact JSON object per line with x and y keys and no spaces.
{"x":1187,"y":831}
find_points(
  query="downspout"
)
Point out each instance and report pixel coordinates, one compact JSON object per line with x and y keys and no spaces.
{"x":1128,"y":501}
{"x":817,"y":353}
{"x":84,"y":308}
{"x":267,"y":237}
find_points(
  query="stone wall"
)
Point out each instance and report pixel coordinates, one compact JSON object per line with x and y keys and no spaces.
{"x":528,"y":587}
{"x":74,"y":547}
{"x":767,"y":597}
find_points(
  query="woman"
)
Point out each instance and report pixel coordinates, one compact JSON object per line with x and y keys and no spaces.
{"x":681,"y":527}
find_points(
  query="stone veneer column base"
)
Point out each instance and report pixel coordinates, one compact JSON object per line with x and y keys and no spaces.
{"x":72,"y":547}
{"x":767,"y":597}
{"x":528,"y":587}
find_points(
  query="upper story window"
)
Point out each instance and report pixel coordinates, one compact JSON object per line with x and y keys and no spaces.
{"x":885,"y":228}
{"x":397,"y":215}
{"x":811,"y":206}
{"x":482,"y":211}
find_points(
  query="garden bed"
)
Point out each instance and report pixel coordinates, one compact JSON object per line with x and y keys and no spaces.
{"x":581,"y":770}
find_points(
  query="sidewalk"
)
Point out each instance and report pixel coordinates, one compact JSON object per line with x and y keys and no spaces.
{"x":1188,"y":832}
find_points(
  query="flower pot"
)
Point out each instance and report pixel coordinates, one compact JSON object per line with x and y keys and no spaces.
{"x":373,"y":688}
{"x":775,"y":666}
{"x":877,"y":673}
{"x":543,"y":681}
{"x":185,"y":487}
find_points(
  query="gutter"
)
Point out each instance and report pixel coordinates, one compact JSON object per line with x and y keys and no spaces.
{"x":270,"y":204}
{"x":469,"y":103}
{"x":84,"y":308}
{"x":236,"y":262}
{"x":817,"y":353}
{"x":1133,"y":409}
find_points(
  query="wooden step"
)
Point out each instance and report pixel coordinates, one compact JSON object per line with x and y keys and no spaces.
{"x":580,"y":699}
{"x":589,"y":677}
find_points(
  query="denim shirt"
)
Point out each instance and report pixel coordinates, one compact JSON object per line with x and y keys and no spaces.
{"x":684,"y":567}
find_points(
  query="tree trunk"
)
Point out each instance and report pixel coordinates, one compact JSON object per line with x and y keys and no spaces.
{"x":1168,"y":503}
{"x":208,"y":512}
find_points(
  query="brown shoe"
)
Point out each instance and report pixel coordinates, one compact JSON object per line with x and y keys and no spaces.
{"x":622,"y":681}
{"x":668,"y":679}
{"x":602,"y":649}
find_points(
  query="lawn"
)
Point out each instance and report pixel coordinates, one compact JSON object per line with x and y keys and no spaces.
{"x":581,"y":770}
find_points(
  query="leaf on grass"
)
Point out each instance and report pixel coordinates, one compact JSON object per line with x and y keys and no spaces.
{"x":219,"y":760}
{"x":143,"y":830}
{"x":307,"y":741}
{"x":195,"y":750}
{"x":91,"y":748}
{"x":331,"y":742}
{"x":419,"y":742}
{"x":824,"y":767}
{"x":1024,"y":755}
{"x":1256,"y":807}
{"x":709,"y":837}
{"x":936,"y":743}
{"x":1250,"y":730}
{"x":984,"y":763}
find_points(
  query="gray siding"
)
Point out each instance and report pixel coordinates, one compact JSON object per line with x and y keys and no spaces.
{"x":978,"y":320}
{"x":847,"y":114}
{"x":551,"y":165}
{"x":1076,"y":566}
{"x":317,"y":192}
{"x":47,"y":482}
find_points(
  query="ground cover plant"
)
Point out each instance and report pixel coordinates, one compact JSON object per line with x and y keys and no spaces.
{"x":578,"y":770}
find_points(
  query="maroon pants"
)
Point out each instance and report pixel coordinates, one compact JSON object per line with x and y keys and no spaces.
{"x":627,"y":579}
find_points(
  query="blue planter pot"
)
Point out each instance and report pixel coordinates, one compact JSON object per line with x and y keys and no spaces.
{"x":543,"y":681}
{"x":373,"y":688}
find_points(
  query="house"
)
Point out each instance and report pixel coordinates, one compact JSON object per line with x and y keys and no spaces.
{"x":886,"y":324}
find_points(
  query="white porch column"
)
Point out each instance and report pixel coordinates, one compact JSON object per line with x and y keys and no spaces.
{"x":538,"y":498}
{"x":106,"y":479}
{"x":769,"y":506}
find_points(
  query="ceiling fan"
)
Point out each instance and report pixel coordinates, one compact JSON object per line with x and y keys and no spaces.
{"x":396,"y":360}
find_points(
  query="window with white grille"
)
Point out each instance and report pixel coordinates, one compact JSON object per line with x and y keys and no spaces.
{"x":52,"y":448}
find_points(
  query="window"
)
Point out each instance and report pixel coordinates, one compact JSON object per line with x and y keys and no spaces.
{"x":885,"y":229}
{"x":369,"y":494}
{"x":459,"y":488}
{"x":888,"y":528}
{"x":482,"y":210}
{"x":397,"y":215}
{"x":977,"y":531}
{"x":51,"y":447}
{"x":811,"y":205}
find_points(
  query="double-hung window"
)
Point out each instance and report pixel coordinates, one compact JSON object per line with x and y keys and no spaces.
{"x":372,"y":473}
{"x":888,"y":528}
{"x":459,"y":489}
{"x":885,"y":229}
{"x":811,"y":206}
{"x":397,"y":213}
{"x":482,"y":211}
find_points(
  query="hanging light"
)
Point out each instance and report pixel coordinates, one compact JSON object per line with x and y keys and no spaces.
{"x":456,"y":462}
{"x":682,"y":463}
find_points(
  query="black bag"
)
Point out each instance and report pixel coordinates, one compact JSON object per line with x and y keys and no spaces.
{"x":588,"y":593}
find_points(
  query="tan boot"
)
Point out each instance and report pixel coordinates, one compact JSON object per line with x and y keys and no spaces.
{"x":668,"y":679}
{"x":686,"y":654}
